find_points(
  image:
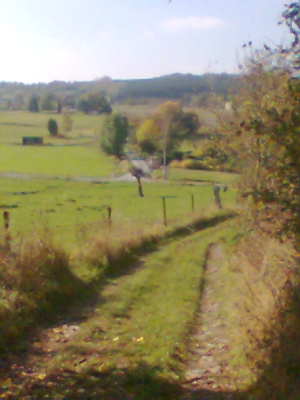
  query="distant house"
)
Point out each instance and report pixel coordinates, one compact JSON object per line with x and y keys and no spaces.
{"x":32,"y":140}
{"x":228,"y":106}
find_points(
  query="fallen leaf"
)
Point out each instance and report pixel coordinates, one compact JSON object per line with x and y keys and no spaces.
{"x":6,"y":383}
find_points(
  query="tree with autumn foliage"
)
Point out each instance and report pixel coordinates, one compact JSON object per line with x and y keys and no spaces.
{"x":166,"y":128}
{"x":265,"y":133}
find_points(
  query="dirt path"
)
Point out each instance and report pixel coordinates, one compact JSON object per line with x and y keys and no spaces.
{"x":122,"y":178}
{"x":25,"y":367}
{"x":206,"y":376}
{"x":94,"y":179}
{"x":207,"y":367}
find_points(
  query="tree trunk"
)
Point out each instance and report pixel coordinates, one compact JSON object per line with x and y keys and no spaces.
{"x":217,"y":197}
{"x":140,"y":186}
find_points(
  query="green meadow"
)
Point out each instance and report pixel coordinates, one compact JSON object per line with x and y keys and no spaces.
{"x":14,"y":125}
{"x":68,"y":208}
{"x":58,"y":161}
{"x":74,"y":153}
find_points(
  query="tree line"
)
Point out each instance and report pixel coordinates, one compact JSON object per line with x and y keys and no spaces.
{"x":70,"y":95}
{"x":88,"y":103}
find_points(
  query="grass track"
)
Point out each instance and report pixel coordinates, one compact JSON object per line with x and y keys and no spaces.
{"x":140,"y":326}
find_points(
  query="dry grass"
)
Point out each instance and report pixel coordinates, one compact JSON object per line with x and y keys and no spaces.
{"x":36,"y":282}
{"x":258,"y":285}
{"x":111,"y":248}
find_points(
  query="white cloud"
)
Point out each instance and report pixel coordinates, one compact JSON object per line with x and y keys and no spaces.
{"x":196,"y":23}
{"x":105,"y":35}
{"x":147,"y":34}
{"x":29,"y":58}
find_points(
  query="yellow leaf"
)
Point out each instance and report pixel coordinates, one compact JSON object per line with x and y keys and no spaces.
{"x":6,"y":383}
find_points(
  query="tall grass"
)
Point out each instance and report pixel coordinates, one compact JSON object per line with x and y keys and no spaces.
{"x":260,"y":306}
{"x":36,"y":282}
{"x":113,"y":247}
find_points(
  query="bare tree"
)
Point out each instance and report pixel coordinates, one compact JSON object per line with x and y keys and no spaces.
{"x":138,"y":173}
{"x":141,"y":168}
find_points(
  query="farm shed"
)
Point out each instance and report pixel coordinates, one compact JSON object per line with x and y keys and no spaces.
{"x":32,"y":140}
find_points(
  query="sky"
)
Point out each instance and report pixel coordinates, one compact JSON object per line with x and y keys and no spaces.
{"x":83,"y":40}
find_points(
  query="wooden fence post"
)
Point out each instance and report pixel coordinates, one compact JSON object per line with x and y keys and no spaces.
{"x":217,"y":197}
{"x":109,"y":214}
{"x":165,"y":211}
{"x":7,"y":237}
{"x":193,"y":204}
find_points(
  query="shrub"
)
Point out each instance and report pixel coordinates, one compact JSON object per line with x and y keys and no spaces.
{"x":265,"y":134}
{"x":52,"y":127}
{"x":176,"y":155}
{"x":114,"y":134}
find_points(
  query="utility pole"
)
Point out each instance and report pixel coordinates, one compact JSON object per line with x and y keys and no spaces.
{"x":165,"y":164}
{"x":166,"y":134}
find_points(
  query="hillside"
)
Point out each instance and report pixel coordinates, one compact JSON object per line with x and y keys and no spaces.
{"x":15,"y":96}
{"x":176,"y":86}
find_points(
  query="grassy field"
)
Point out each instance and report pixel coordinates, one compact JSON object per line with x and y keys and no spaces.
{"x":68,"y":208}
{"x":187,"y":175}
{"x":60,"y":161}
{"x":14,"y":125}
{"x":65,"y":206}
{"x":77,"y":153}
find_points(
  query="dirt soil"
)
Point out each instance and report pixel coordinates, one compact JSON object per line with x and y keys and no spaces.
{"x":207,"y":366}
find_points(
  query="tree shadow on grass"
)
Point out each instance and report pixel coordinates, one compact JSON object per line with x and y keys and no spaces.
{"x":143,"y":383}
{"x":281,"y":379}
{"x":126,"y":260}
{"x":66,"y":301}
{"x":140,"y":383}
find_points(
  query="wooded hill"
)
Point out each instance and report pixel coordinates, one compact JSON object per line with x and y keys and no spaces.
{"x":15,"y":96}
{"x":176,"y":86}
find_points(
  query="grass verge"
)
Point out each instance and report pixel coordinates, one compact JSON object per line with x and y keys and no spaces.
{"x":114,"y":248}
{"x":255,"y":289}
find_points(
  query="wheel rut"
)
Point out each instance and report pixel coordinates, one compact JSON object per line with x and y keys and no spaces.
{"x":206,"y":367}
